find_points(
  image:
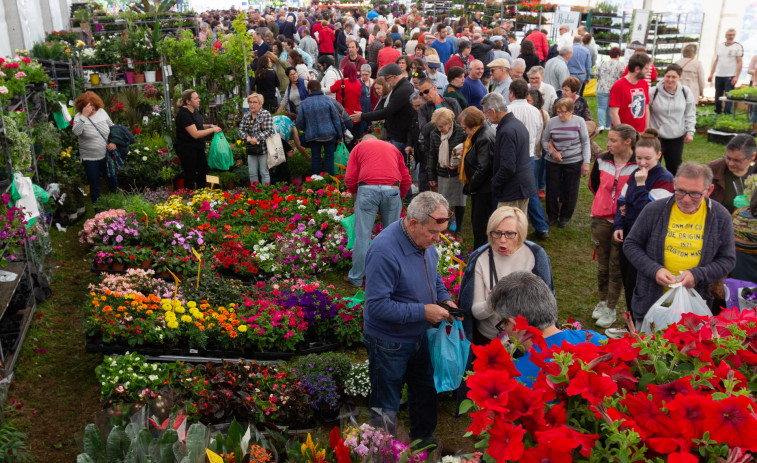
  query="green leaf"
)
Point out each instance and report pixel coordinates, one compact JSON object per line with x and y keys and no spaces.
{"x":117,"y":445}
{"x":196,"y":442}
{"x":93,"y":442}
{"x":84,"y":458}
{"x":234,"y":435}
{"x":170,"y":437}
{"x":465,"y":405}
{"x":131,"y":431}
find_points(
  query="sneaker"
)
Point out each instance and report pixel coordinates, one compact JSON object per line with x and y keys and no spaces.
{"x":599,"y":310}
{"x":616,"y":333}
{"x":607,"y":318}
{"x":542,"y":194}
{"x":601,"y":128}
{"x":414,"y":189}
{"x":452,"y":225}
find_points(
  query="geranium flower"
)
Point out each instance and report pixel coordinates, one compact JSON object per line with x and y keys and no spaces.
{"x":20,"y":75}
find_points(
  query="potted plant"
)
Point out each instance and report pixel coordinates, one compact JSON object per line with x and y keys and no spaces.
{"x":299,"y":167}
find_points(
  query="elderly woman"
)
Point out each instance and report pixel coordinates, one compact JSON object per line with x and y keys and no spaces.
{"x":476,"y":170}
{"x":255,"y":128}
{"x":570,"y":87}
{"x":731,"y":171}
{"x":189,"y":141}
{"x":692,"y":71}
{"x":673,"y":112}
{"x":92,"y":126}
{"x":506,"y":302}
{"x":296,"y":92}
{"x":608,"y":73}
{"x":507,"y":251}
{"x":442,"y":163}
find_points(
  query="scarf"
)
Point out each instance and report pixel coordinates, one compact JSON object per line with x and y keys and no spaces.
{"x":444,"y":148}
{"x":466,"y":147}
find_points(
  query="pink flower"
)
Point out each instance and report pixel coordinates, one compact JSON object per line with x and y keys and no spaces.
{"x":20,"y":75}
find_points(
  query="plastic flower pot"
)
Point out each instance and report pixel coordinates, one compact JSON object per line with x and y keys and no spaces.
{"x":94,"y":78}
{"x":129,"y":76}
{"x":149,"y":76}
{"x":139,"y":78}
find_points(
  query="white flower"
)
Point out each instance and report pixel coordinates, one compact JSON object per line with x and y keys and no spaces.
{"x":3,"y":90}
{"x":144,"y":158}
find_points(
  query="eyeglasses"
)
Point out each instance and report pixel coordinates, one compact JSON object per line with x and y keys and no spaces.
{"x":501,"y":325}
{"x":440,"y":220}
{"x":496,"y":234}
{"x":425,"y":92}
{"x":729,"y":160}
{"x":680,"y":194}
{"x":562,"y":113}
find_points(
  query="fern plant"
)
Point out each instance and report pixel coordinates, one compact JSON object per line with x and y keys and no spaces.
{"x":13,"y":445}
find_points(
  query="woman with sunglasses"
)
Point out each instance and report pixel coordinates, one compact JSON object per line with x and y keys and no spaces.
{"x":507,"y":251}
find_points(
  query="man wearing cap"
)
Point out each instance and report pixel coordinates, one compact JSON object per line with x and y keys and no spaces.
{"x":556,"y":70}
{"x":473,"y":90}
{"x":432,"y":66}
{"x":397,"y":112}
{"x":501,"y":79}
{"x":442,"y":46}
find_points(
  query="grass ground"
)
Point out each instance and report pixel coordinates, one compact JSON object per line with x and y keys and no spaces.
{"x":55,"y":377}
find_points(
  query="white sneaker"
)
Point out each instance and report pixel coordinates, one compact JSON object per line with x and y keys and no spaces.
{"x":607,"y":318}
{"x":599,"y":310}
{"x":414,"y":189}
{"x":601,"y":128}
{"x":616,"y":333}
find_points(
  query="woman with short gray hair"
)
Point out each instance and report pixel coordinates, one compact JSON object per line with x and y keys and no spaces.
{"x":443,"y":163}
{"x":525,"y":294}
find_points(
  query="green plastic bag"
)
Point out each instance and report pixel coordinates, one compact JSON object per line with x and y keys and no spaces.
{"x":740,"y":201}
{"x":349,"y":226}
{"x":357,"y":299}
{"x":60,"y":120}
{"x":341,"y":155}
{"x":220,"y":156}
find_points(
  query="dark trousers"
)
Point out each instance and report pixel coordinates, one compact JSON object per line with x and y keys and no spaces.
{"x":563,"y":181}
{"x":628,"y":273}
{"x":481,"y":208}
{"x":722,"y":85}
{"x":672,"y":152}
{"x":93,"y":170}
{"x":326,"y":148}
{"x":195,"y":165}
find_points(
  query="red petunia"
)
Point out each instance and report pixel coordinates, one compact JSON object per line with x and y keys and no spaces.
{"x":506,"y":441}
{"x":489,"y":389}
{"x":731,"y":421}
{"x":688,"y":414}
{"x":493,"y":356}
{"x":531,"y":334}
{"x":591,"y":386}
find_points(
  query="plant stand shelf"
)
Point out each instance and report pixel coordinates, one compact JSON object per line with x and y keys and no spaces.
{"x":7,"y":292}
{"x":734,"y":107}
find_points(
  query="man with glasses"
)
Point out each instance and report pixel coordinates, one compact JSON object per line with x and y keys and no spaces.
{"x":433,"y":101}
{"x":501,"y":79}
{"x":506,"y":301}
{"x":403,"y":292}
{"x":731,"y":171}
{"x":686,"y":239}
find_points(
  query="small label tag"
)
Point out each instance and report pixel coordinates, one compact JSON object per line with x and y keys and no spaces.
{"x":193,"y":351}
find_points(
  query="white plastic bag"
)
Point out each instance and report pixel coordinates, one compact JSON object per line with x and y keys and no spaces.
{"x":669,"y":308}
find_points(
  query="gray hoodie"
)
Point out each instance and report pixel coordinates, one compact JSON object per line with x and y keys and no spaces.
{"x":672,"y":115}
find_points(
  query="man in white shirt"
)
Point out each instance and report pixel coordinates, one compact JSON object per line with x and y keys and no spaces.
{"x":500,"y":69}
{"x":565,"y":39}
{"x":536,"y":80}
{"x":556,"y":69}
{"x":532,"y":119}
{"x":726,"y":68}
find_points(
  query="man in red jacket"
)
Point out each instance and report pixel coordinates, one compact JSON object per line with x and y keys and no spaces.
{"x":377,"y":176}
{"x":540,"y":42}
{"x":388,"y":54}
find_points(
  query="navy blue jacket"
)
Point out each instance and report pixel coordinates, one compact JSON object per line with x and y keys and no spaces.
{"x":513,"y":178}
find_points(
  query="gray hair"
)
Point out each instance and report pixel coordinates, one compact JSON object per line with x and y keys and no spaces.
{"x":577,"y":38}
{"x":519,"y":62}
{"x":415,"y":96}
{"x":564,"y":51}
{"x":694,"y":170}
{"x":536,"y":70}
{"x":380,"y":34}
{"x":523,"y":293}
{"x":366,"y":67}
{"x":743,"y":143}
{"x":424,"y":204}
{"x":494,"y":101}
{"x":350,"y":39}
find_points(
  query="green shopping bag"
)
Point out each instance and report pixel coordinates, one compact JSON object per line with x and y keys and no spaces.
{"x":349,"y":226}
{"x":220,"y":156}
{"x":341,"y":155}
{"x":60,"y":120}
{"x":357,"y":299}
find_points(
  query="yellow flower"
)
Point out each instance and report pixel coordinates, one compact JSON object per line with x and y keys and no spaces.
{"x":242,"y":328}
{"x":179,"y":309}
{"x":173,"y":325}
{"x":191,"y":304}
{"x":186,"y":319}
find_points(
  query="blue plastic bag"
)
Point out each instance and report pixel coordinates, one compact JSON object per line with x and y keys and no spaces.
{"x":449,"y":350}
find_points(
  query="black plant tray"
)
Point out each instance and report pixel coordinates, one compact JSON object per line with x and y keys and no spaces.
{"x":315,"y":347}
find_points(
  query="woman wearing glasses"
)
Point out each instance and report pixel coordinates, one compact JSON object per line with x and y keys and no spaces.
{"x":443,"y":162}
{"x":507,"y":252}
{"x":255,"y":128}
{"x":611,"y":171}
{"x":731,"y":171}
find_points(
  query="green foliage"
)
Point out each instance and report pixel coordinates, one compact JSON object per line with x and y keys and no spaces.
{"x":49,"y":50}
{"x":744,"y":93}
{"x":12,"y":446}
{"x":298,"y":165}
{"x":727,"y":124}
{"x":19,"y":142}
{"x":144,"y":6}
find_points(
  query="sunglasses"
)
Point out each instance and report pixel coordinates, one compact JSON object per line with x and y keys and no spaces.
{"x":440,"y":220}
{"x":501,"y":325}
{"x":425,"y":92}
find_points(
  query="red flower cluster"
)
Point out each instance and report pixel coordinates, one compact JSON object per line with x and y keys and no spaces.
{"x":680,"y":394}
{"x":233,"y":256}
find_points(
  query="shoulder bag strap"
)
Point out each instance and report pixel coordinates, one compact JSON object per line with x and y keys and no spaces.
{"x":98,"y":130}
{"x":493,"y":278}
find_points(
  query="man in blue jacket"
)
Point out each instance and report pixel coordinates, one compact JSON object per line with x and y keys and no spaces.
{"x":513,"y":181}
{"x":579,"y":64}
{"x":402,"y":288}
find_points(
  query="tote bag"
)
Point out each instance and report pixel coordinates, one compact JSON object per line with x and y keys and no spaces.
{"x":276,"y":154}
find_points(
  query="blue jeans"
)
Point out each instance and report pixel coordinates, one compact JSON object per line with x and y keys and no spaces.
{"x":540,"y":170}
{"x":390,"y":365}
{"x":327,"y":148}
{"x":258,"y":162}
{"x":93,"y":169}
{"x":722,"y":85}
{"x":535,"y":211}
{"x":603,"y":111}
{"x":371,"y":199}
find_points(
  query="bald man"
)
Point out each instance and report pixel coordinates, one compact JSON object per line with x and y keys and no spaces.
{"x":473,"y":89}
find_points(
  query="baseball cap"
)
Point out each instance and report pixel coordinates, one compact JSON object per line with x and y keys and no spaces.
{"x":391,"y":69}
{"x":433,"y":61}
{"x":499,"y":63}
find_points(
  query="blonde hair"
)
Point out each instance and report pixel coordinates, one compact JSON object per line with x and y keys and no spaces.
{"x":256,"y":95}
{"x":185,"y":98}
{"x":503,"y":213}
{"x":443,"y":116}
{"x":689,"y":51}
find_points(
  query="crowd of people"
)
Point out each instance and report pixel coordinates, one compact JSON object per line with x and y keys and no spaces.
{"x":469,"y":112}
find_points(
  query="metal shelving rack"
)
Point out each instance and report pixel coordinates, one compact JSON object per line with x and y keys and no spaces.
{"x":669,"y":32}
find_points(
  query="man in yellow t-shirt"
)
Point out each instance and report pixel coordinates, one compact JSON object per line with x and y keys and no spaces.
{"x":687,"y":238}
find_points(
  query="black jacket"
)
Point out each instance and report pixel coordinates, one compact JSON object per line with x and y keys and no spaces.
{"x":288,"y":29}
{"x":341,"y":44}
{"x":478,"y":161}
{"x":427,"y":109}
{"x":531,"y":61}
{"x":398,"y":114}
{"x":432,"y":156}
{"x":512,"y":175}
